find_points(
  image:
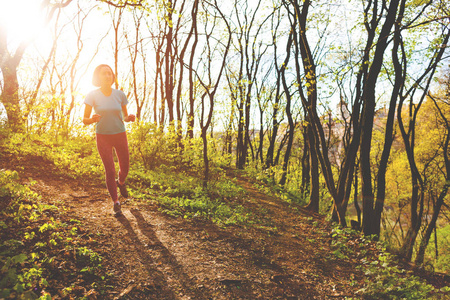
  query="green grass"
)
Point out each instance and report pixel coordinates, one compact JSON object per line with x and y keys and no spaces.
{"x":384,"y":276}
{"x":181,"y":194}
{"x":34,"y":241}
{"x":173,"y":182}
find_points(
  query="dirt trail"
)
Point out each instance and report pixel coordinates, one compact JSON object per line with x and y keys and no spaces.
{"x":155,"y":256}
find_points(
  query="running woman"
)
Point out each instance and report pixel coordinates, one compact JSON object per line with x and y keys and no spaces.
{"x":110,"y":107}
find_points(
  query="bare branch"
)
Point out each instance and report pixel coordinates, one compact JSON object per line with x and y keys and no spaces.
{"x":124,"y":4}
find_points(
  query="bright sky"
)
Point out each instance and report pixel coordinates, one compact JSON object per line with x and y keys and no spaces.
{"x":24,"y":21}
{"x":21,"y":18}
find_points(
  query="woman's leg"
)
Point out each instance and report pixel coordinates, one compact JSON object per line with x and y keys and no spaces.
{"x":105,"y":149}
{"x":123,"y":155}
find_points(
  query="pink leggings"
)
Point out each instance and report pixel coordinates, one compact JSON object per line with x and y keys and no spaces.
{"x":105,"y":145}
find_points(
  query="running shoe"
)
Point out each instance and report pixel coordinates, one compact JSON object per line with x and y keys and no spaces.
{"x":117,"y":209}
{"x":123,"y":189}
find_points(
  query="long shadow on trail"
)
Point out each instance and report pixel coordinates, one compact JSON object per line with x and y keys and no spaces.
{"x":155,"y":276}
{"x":166,"y":259}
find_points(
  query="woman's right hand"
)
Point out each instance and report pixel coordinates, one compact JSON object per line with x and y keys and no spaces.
{"x":95,"y":118}
{"x":87,"y":119}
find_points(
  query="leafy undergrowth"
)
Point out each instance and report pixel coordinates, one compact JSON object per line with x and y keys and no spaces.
{"x":45,"y":254}
{"x":386,"y":277}
{"x":177,"y":187}
{"x":41,"y":255}
{"x":180,"y":194}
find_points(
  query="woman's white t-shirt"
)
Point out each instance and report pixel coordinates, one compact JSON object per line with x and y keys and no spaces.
{"x":110,"y":110}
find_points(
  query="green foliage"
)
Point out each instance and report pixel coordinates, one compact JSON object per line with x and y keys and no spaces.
{"x":441,"y":262}
{"x":339,"y":244}
{"x":429,"y":159}
{"x":19,"y":272}
{"x":76,"y":157}
{"x":266,"y":181}
{"x":202,"y":206}
{"x":150,"y":146}
{"x":168,"y":173}
{"x":386,"y":280}
{"x":15,"y":198}
{"x":161,"y":165}
{"x":181,"y":194}
{"x":89,"y":260}
{"x":171,"y":172}
{"x":31,"y":239}
{"x":384,"y":276}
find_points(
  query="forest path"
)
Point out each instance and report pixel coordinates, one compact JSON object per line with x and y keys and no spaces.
{"x":155,"y":256}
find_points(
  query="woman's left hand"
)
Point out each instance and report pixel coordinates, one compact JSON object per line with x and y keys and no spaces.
{"x":130,"y":118}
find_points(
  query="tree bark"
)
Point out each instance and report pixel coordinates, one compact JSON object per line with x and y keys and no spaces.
{"x":389,"y":131}
{"x":368,"y":114}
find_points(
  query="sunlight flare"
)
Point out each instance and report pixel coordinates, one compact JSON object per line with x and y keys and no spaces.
{"x":21,"y":19}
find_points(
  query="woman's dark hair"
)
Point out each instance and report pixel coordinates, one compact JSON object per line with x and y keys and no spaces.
{"x":95,"y":77}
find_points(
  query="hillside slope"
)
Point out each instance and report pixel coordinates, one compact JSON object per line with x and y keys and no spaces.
{"x":147,"y":254}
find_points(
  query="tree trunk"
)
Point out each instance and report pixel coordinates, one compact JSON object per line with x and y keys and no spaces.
{"x":306,"y":163}
{"x":314,"y":184}
{"x":168,"y":65}
{"x":290,"y":129}
{"x":302,"y":50}
{"x":431,"y":226}
{"x":259,"y":153}
{"x":389,"y":132}
{"x":275,"y":123}
{"x":10,"y":95}
{"x":240,"y":150}
{"x":210,"y":90}
{"x":190,"y":119}
{"x":355,"y":199}
{"x":368,"y":114}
